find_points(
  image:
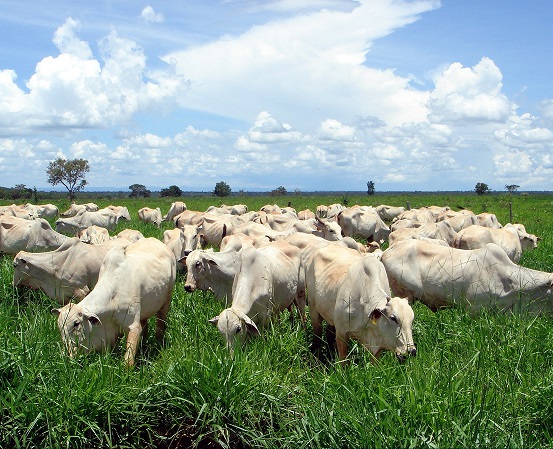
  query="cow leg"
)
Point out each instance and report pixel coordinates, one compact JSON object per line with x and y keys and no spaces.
{"x":317,"y":326}
{"x":161,"y":320}
{"x":133,"y":337}
{"x":300,"y":302}
{"x":342,"y":345}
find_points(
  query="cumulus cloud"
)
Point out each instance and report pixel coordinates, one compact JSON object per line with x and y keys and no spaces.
{"x":469,"y":93}
{"x":149,"y":15}
{"x":74,"y":90}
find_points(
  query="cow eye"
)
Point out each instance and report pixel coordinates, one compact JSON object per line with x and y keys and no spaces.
{"x":393,"y":318}
{"x":76,"y":324}
{"x":238,"y":329}
{"x":198,"y":265}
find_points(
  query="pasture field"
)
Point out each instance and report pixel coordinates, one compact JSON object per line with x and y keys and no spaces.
{"x":477,"y":381}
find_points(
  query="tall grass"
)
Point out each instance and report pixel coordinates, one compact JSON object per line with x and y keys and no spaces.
{"x":477,"y":381}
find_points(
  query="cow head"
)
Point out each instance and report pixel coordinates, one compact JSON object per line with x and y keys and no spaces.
{"x":391,"y":328}
{"x":76,"y":326}
{"x":197,"y":266}
{"x":234,"y":325}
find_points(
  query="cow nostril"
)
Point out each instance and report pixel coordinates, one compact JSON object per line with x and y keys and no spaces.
{"x":188,"y":288}
{"x":413,"y":352}
{"x":187,"y":252}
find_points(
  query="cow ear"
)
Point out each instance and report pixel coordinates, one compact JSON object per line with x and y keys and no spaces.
{"x":251,"y":327}
{"x":182,"y":260}
{"x":55,"y":312}
{"x":215,"y":320}
{"x":94,"y":319}
{"x":211,"y":262}
{"x":377,"y":313}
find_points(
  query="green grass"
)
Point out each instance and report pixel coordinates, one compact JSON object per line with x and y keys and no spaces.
{"x":484,"y":381}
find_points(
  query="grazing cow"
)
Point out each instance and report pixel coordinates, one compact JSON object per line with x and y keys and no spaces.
{"x":47,"y":210}
{"x":305,"y":214}
{"x":215,"y":227}
{"x":189,"y":217}
{"x":76,"y":209}
{"x":18,"y":211}
{"x":488,"y":220}
{"x":121,"y":212}
{"x":441,"y":231}
{"x":351,"y":292}
{"x":42,"y":211}
{"x":19,"y":234}
{"x":481,"y":278}
{"x":462,"y":221}
{"x":176,"y":208}
{"x":95,"y":235}
{"x":67,"y":273}
{"x":134,"y":284}
{"x":265,"y":284}
{"x":149,"y":215}
{"x":364,"y":223}
{"x":527,"y":241}
{"x":476,"y":236}
{"x":132,"y":235}
{"x":182,"y":241}
{"x":105,"y":218}
{"x":388,"y":213}
{"x":420,"y":215}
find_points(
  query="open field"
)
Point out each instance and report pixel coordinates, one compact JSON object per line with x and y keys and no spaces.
{"x":477,"y":381}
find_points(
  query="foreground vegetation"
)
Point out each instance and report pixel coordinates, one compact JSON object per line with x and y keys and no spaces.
{"x":484,"y":381}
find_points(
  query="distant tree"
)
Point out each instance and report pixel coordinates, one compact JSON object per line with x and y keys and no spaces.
{"x":138,"y":190}
{"x":481,"y":188}
{"x":370,"y":188}
{"x":69,"y":173}
{"x":222,"y":189}
{"x":21,"y":191}
{"x":511,"y":188}
{"x":171,"y":191}
{"x":279,"y":191}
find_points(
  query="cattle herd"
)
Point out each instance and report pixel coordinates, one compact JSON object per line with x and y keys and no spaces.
{"x":330,"y":260}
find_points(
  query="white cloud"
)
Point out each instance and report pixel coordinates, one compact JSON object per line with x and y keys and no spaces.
{"x":464,"y":93}
{"x":149,"y":15}
{"x":334,"y":130}
{"x":74,"y":90}
{"x":313,"y":61}
{"x":67,"y":42}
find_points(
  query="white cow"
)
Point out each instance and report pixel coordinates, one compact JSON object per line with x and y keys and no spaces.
{"x":150,"y":215}
{"x":212,"y":271}
{"x":19,"y":234}
{"x":95,"y":235}
{"x":388,"y":213}
{"x":67,"y":273}
{"x":351,"y":292}
{"x":182,"y":241}
{"x":105,"y":218}
{"x":266,"y":283}
{"x":134,"y":284}
{"x":176,"y":208}
{"x":76,"y":209}
{"x":481,"y":278}
{"x":476,"y":236}
{"x":363,"y":223}
{"x":132,"y":235}
{"x":441,"y":231}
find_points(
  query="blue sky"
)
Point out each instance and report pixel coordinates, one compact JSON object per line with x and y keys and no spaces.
{"x":310,"y":95}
